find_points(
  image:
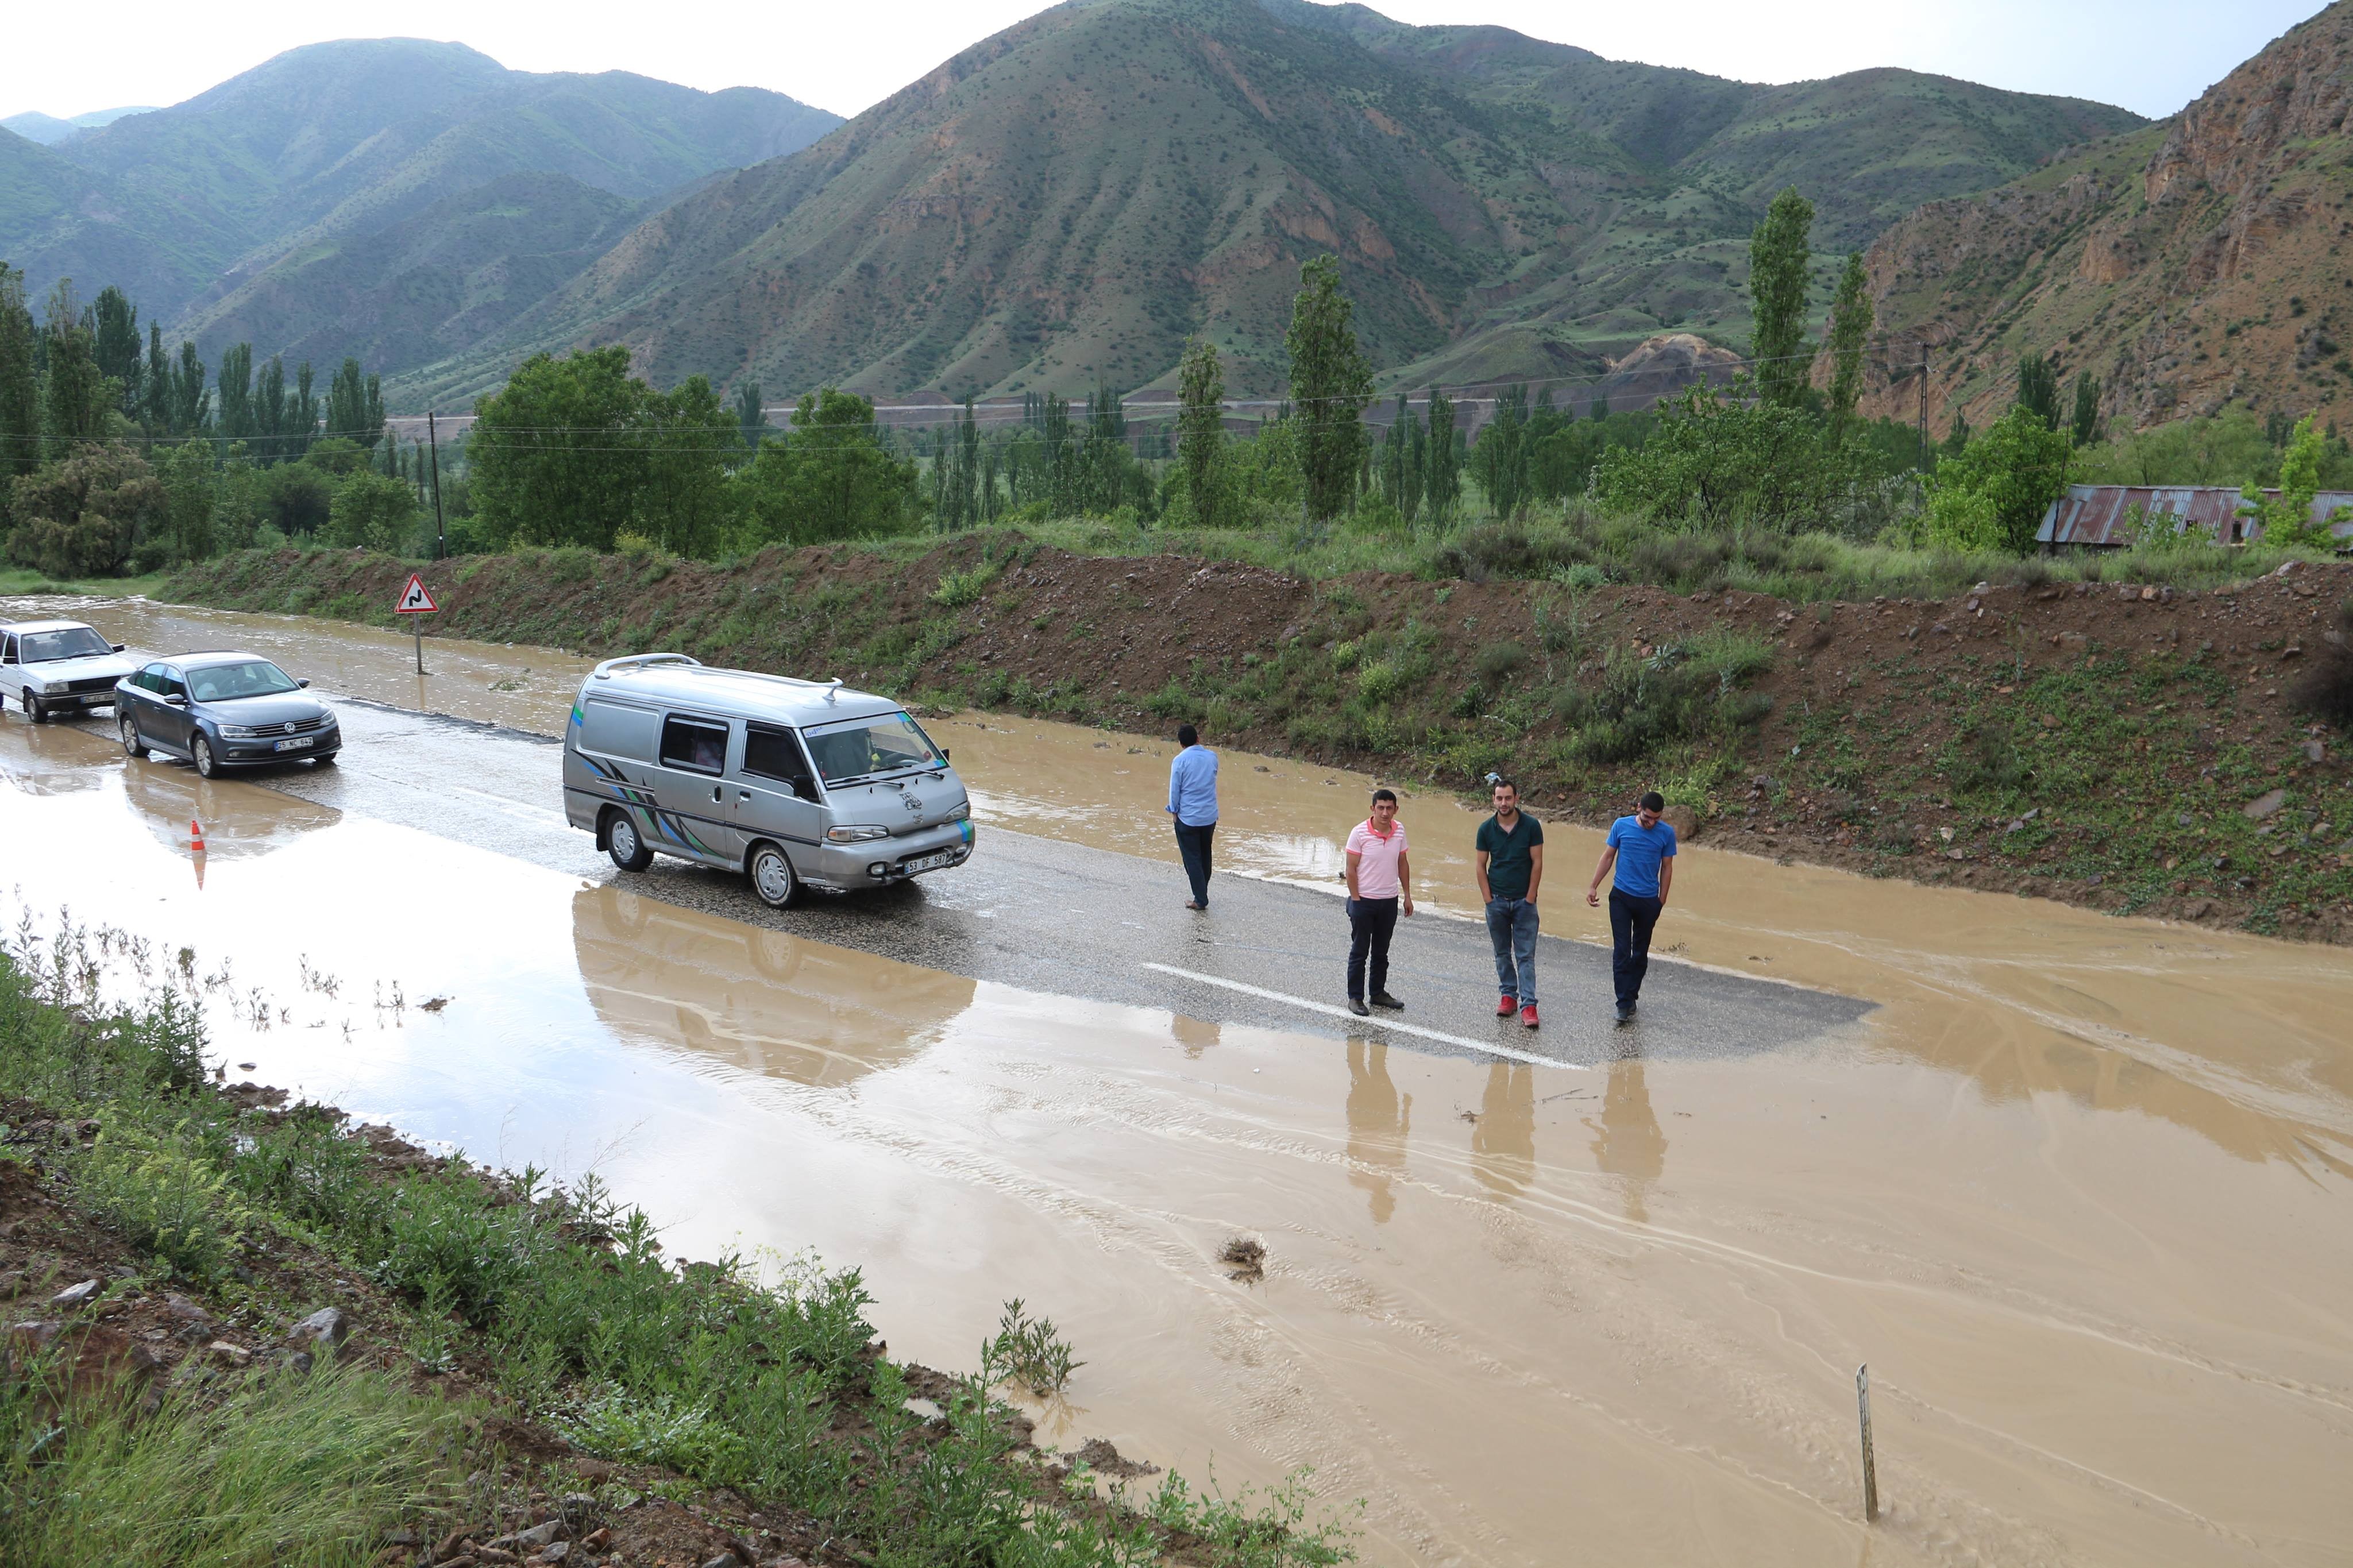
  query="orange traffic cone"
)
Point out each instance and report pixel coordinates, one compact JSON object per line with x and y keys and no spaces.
{"x":196,"y":836}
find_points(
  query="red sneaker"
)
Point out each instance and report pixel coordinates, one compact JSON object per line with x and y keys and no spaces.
{"x":1528,"y":1015}
{"x":1506,"y":1006}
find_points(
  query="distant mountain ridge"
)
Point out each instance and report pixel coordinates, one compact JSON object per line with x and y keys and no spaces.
{"x":48,"y":129}
{"x":1064,"y":202}
{"x":212,"y":212}
{"x":2193,"y":266}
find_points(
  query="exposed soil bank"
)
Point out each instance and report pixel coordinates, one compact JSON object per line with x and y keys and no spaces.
{"x":2125,"y":748}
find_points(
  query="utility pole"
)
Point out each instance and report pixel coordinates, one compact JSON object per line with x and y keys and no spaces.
{"x":440,"y":532}
{"x":1924,"y":405}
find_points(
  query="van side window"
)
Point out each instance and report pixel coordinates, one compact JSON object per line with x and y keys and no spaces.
{"x":776,"y":755}
{"x":615,"y":729}
{"x":694,"y":744}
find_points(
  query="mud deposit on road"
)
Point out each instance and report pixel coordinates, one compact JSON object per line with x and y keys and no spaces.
{"x":2076,"y":1188}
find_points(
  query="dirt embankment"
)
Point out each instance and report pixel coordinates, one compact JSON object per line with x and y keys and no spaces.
{"x":2124,"y":747}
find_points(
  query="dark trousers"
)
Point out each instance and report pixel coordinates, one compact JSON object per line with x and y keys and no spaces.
{"x":1371,"y":923}
{"x":1631,"y":920}
{"x":1193,"y":844}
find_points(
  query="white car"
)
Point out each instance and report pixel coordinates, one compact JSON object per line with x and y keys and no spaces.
{"x":58,"y":666}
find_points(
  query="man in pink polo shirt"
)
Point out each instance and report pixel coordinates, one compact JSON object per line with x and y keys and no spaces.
{"x":1380,"y":885}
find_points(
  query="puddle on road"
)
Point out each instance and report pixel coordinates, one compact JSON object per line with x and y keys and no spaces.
{"x":2078,"y":1195}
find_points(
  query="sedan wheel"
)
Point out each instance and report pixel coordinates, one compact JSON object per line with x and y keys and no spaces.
{"x":773,"y":878}
{"x":203,"y":751}
{"x":131,"y":744}
{"x":34,"y":711}
{"x":621,"y":842}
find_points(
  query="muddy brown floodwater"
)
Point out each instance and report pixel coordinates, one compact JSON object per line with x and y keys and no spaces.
{"x":2076,"y":1189}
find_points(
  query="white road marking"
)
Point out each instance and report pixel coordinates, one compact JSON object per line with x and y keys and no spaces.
{"x":1376,"y":1022}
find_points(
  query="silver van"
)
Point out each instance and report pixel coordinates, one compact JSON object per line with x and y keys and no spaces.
{"x":794,"y":783}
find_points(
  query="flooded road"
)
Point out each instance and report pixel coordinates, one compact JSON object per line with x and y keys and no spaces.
{"x":2075,"y":1187}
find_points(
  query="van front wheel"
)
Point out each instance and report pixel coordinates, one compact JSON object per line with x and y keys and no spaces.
{"x":628,"y":851}
{"x":772,"y":876}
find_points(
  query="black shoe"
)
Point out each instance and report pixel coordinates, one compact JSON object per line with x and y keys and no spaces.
{"x":1383,"y":999}
{"x":1625,"y":1014}
{"x":1356,"y":1006}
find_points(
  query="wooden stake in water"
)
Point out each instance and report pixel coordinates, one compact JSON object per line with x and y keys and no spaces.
{"x":1870,"y":1468}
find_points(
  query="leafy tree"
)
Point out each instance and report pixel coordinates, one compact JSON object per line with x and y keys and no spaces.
{"x":114,"y":343}
{"x":1850,"y":323}
{"x":303,"y":425}
{"x":2286,"y":518}
{"x":192,"y":400}
{"x":20,"y":384}
{"x":155,"y":387}
{"x":354,"y":404}
{"x":1201,"y":430}
{"x":2084,"y":427}
{"x":1501,"y":457}
{"x":828,"y":477}
{"x":76,"y":400}
{"x":372,"y":511}
{"x":236,"y":393}
{"x":551,"y":455}
{"x":689,"y":438}
{"x":1719,"y":462}
{"x":272,"y":410}
{"x":2229,"y":448}
{"x":1993,"y":494}
{"x":2038,"y":389}
{"x":1330,"y":382}
{"x":84,"y":515}
{"x":1442,"y":465}
{"x":751,"y":414}
{"x":191,"y":491}
{"x":1779,"y":252}
{"x":298,"y":498}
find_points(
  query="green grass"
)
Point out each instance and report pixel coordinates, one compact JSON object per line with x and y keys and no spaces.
{"x":15,"y":579}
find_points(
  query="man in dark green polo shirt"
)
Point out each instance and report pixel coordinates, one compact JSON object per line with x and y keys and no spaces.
{"x":1511,"y":866}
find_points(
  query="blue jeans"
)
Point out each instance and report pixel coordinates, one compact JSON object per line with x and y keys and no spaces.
{"x":1512,"y":927}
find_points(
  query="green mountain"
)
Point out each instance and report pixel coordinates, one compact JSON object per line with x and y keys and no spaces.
{"x":1066,"y":202}
{"x":327,"y":150}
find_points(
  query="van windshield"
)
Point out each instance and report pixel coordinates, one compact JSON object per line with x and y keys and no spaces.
{"x":865,"y":748}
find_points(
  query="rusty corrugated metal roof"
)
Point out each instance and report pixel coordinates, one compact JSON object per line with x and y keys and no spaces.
{"x":2325,"y":505}
{"x":2098,"y":514}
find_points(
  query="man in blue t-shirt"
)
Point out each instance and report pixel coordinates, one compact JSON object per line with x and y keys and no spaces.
{"x":1643,"y":850}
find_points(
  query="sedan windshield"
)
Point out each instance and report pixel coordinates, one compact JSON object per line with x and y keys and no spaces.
{"x":866,"y":747}
{"x":221,"y":682}
{"x":72,"y":642}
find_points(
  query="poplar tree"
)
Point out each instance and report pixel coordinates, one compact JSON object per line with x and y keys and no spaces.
{"x":2086,"y":425}
{"x":305,"y":420}
{"x":75,"y":398}
{"x":1330,"y":382}
{"x":192,"y":400}
{"x":20,"y":396}
{"x":1201,"y":430}
{"x":235,"y":384}
{"x":1443,"y":465}
{"x":750,"y":416}
{"x":355,"y":406}
{"x":271,"y":411}
{"x":155,"y":385}
{"x":1850,"y":323}
{"x":1778,"y":253}
{"x":2038,"y":389}
{"x":114,"y":343}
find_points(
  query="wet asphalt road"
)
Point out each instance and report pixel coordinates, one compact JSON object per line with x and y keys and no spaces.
{"x":1068,"y":919}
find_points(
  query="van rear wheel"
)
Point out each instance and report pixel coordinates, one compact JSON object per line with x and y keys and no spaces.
{"x":628,"y":851}
{"x":772,"y":879}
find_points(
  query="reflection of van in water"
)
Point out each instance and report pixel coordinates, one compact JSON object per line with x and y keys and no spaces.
{"x":794,"y":783}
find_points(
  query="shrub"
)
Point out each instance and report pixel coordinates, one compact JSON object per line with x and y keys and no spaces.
{"x":1497,"y":660}
{"x":167,"y":1199}
{"x":957,"y":590}
{"x":1027,"y":1351}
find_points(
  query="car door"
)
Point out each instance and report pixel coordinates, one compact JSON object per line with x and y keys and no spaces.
{"x":172,"y":724}
{"x":689,"y":789}
{"x":774,"y":791}
{"x":146,"y":705}
{"x":12,"y":674}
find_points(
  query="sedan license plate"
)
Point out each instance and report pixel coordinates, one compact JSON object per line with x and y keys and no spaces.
{"x":930,"y":862}
{"x":97,"y":697}
{"x":300,"y":743}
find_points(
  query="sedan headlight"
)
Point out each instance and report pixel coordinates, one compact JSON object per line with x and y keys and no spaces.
{"x":237,"y":733}
{"x":855,"y":835}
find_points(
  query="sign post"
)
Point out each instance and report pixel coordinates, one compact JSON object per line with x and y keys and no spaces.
{"x":415,"y":601}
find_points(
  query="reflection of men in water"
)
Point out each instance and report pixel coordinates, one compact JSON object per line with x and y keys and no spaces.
{"x":1643,"y":850}
{"x":1378,"y":1120}
{"x":1380,"y":885}
{"x":1504,"y":1139}
{"x":1193,"y":802}
{"x":1510,"y":862}
{"x":1627,"y":1140}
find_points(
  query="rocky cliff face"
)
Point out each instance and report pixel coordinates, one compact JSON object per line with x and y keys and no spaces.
{"x":2193,"y":266}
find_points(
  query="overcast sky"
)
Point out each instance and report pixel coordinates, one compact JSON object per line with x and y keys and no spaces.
{"x":2152,"y":55}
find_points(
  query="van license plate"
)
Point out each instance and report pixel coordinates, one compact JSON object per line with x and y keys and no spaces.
{"x":929,"y":863}
{"x":300,"y":743}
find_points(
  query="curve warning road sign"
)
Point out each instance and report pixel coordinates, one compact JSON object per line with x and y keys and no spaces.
{"x":413,"y":599}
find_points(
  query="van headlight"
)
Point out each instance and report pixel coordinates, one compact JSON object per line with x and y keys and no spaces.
{"x":855,"y":835}
{"x":962,"y":809}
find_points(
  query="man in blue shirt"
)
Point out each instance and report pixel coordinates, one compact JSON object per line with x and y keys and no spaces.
{"x":1193,"y":802}
{"x":1643,"y":850}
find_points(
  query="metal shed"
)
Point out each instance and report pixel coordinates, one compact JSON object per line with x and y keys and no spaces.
{"x":2099,"y":515}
